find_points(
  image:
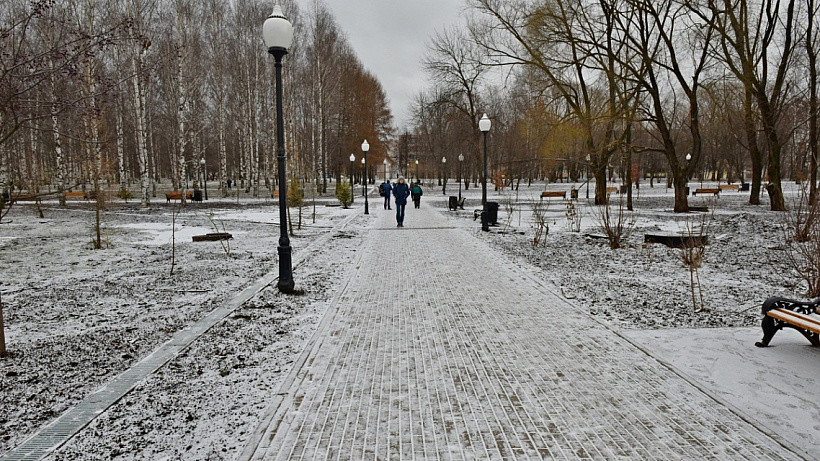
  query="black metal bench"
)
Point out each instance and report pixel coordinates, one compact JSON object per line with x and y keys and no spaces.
{"x":779,"y":313}
{"x":454,"y":203}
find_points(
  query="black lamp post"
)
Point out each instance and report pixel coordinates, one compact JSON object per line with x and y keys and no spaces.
{"x":385,"y":170}
{"x":444,"y":175}
{"x":204,"y":177}
{"x":278,"y":34}
{"x":365,"y":148}
{"x":484,"y":125}
{"x":417,"y":170}
{"x":688,"y":159}
{"x":588,"y":176}
{"x":352,"y":172}
{"x":460,"y":161}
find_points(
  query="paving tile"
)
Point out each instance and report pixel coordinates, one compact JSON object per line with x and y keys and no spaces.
{"x":441,"y":348}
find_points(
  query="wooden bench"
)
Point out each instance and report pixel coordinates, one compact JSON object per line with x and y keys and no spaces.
{"x":707,"y":190}
{"x":610,"y":190}
{"x":734,"y":187}
{"x":553,"y":193}
{"x":177,"y":195}
{"x":81,"y":195}
{"x":779,"y":313}
{"x":454,"y":203}
{"x":24,"y":198}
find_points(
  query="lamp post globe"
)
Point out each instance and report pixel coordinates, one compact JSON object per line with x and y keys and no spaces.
{"x":277,"y":32}
{"x":484,"y":126}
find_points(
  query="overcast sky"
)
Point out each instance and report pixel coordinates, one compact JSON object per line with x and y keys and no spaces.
{"x":389,"y":37}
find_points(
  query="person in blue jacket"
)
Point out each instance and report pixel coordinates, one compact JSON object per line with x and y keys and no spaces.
{"x":401,"y":191}
{"x":386,"y":189}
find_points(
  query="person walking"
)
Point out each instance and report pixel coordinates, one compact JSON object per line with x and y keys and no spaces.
{"x":416,"y":192}
{"x":386,"y":189}
{"x":401,"y":191}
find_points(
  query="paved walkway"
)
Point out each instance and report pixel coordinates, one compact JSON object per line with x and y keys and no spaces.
{"x":439,"y":348}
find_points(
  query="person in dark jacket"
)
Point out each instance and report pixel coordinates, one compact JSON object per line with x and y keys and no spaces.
{"x":386,"y":189}
{"x":416,"y":192}
{"x":401,"y":191}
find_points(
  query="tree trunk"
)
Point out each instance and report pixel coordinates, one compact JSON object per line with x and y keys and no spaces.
{"x":3,"y":351}
{"x":680,"y":180}
{"x":141,"y":124}
{"x":58,"y":143}
{"x":223,"y":151}
{"x":600,"y":184}
{"x":121,"y":151}
{"x":811,"y":52}
{"x":754,"y":150}
{"x":774,"y":188}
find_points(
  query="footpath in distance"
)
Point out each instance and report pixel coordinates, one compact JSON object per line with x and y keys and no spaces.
{"x":440,"y":348}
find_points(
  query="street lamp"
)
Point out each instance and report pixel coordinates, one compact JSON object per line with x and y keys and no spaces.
{"x":484,"y":125}
{"x":204,"y":177}
{"x":460,"y":161}
{"x":352,"y":172}
{"x":278,"y":34}
{"x":588,"y":176}
{"x":417,"y":170}
{"x":365,"y":148}
{"x":444,"y":174}
{"x":385,"y":170}
{"x":688,"y":159}
{"x":364,"y":168}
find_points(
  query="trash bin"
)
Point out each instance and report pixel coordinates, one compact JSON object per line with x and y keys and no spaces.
{"x":492,"y":213}
{"x":744,"y":187}
{"x":452,"y":202}
{"x":573,"y":194}
{"x":197,"y":195}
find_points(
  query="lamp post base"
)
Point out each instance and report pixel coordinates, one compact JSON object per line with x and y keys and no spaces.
{"x":285,"y":284}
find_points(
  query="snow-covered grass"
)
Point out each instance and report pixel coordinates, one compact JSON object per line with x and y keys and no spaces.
{"x":77,"y":317}
{"x":647,"y":286}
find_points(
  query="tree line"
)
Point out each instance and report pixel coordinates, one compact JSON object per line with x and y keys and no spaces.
{"x":716,"y":89}
{"x":133,"y":92}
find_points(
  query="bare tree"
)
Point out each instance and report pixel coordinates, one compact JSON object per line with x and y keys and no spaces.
{"x":812,"y":49}
{"x":757,"y":44}
{"x":673,"y":55}
{"x":563,"y":41}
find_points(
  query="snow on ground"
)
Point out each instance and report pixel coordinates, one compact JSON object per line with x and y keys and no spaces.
{"x":77,"y":317}
{"x":647,"y":286}
{"x":775,"y":385}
